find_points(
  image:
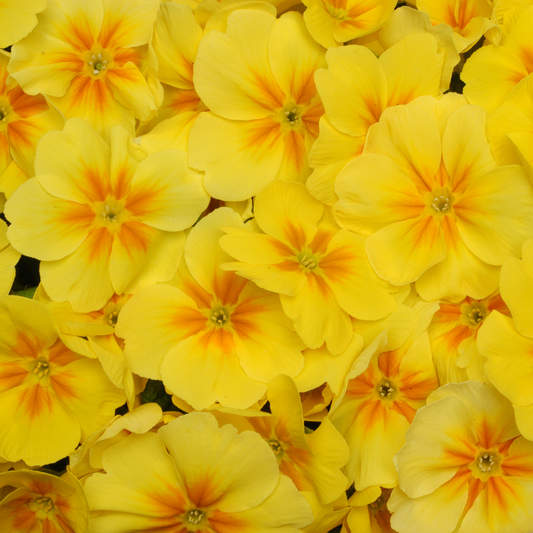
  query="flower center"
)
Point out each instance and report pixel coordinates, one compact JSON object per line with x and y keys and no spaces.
{"x":112,"y":318}
{"x":307,"y":260}
{"x":220,"y":316}
{"x":291,"y":115}
{"x":194,"y":517}
{"x":337,"y":13}
{"x":473,"y":313}
{"x":386,"y":390}
{"x":3,"y":114}
{"x":275,"y":446}
{"x":110,"y":214}
{"x":41,"y":507}
{"x":440,"y":201}
{"x":486,"y":464}
{"x":41,"y":368}
{"x":97,"y":62}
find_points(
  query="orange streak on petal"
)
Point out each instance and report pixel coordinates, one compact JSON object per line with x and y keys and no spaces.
{"x":363,"y":386}
{"x":226,"y":523}
{"x":98,"y":244}
{"x":89,"y":97}
{"x":389,"y":363}
{"x":294,"y":151}
{"x":25,"y":105}
{"x":227,"y":286}
{"x":189,"y":321}
{"x":135,"y":237}
{"x":405,"y":410}
{"x":202,"y":492}
{"x":34,"y":400}
{"x":28,"y":346}
{"x":11,"y":375}
{"x":60,"y":355}
{"x":126,"y":55}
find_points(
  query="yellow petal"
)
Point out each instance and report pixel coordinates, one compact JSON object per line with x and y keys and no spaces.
{"x":20,"y":19}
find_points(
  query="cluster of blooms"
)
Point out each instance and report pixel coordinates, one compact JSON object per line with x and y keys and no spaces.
{"x":280,"y":212}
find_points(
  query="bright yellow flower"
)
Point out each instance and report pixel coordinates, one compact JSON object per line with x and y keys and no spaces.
{"x":321,"y":272}
{"x":453,"y":335}
{"x":464,"y":468}
{"x":384,"y":389}
{"x":258,"y":81}
{"x":213,"y":336}
{"x":432,"y":202}
{"x":101,"y":220}
{"x":90,"y":60}
{"x":369,"y":513}
{"x":469,"y":19}
{"x":333,"y":22}
{"x":355,"y":89}
{"x":508,"y":342}
{"x":37,"y":501}
{"x":199,"y":478}
{"x":18,"y":19}
{"x":494,"y":71}
{"x":24,"y":120}
{"x":51,"y":397}
{"x":175,"y":42}
{"x":313,"y":461}
{"x":8,"y":259}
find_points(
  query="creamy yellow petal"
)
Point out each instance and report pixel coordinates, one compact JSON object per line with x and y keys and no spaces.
{"x":238,"y":150}
{"x":232,"y":74}
{"x":353,"y":89}
{"x":43,"y":226}
{"x":72,"y":278}
{"x":210,"y":355}
{"x":509,"y":358}
{"x":21,"y":19}
{"x":73,"y":164}
{"x":402,"y":252}
{"x":465,"y":150}
{"x":406,"y":80}
{"x":494,"y":215}
{"x":374,"y":193}
{"x":165,"y":193}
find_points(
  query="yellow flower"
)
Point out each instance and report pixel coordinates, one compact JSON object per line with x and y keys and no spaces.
{"x":453,"y":335}
{"x":199,"y":478}
{"x":355,"y":89}
{"x":89,"y":60}
{"x":320,"y":271}
{"x":494,"y":71}
{"x":211,"y":336}
{"x":369,"y":513}
{"x":37,"y":501}
{"x":508,"y":342}
{"x":101,"y":220}
{"x":432,"y":202}
{"x":18,"y":19}
{"x":469,"y":19}
{"x":333,"y":22}
{"x":24,"y":120}
{"x":258,"y":81}
{"x":51,"y":397}
{"x":384,"y":389}
{"x":8,"y":259}
{"x":464,"y":467}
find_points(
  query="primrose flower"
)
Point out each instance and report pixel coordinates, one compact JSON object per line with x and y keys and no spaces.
{"x":90,"y":59}
{"x":200,"y":478}
{"x":356,"y":88}
{"x":469,"y":19}
{"x":437,"y":211}
{"x":313,"y":461}
{"x":494,"y":71}
{"x":103,"y":219}
{"x":18,"y":19}
{"x":321,"y":272}
{"x":51,"y":397}
{"x":333,"y":22}
{"x":369,"y":513}
{"x":384,"y":389}
{"x":258,"y":81}
{"x":24,"y":120}
{"x":453,"y":335}
{"x":37,"y":501}
{"x":9,"y":257}
{"x":212,"y":324}
{"x":464,"y":466}
{"x":508,"y":342}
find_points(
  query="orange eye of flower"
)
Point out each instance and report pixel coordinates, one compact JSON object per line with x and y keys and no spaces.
{"x":291,"y":114}
{"x":220,"y":317}
{"x":385,"y":390}
{"x":194,"y":517}
{"x":275,"y":446}
{"x":41,"y":506}
{"x":307,"y":260}
{"x":42,"y":368}
{"x":3,"y":114}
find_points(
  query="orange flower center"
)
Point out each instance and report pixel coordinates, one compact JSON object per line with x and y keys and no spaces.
{"x":41,"y":507}
{"x":307,"y":259}
{"x":110,"y":214}
{"x":291,"y":115}
{"x":6,"y":114}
